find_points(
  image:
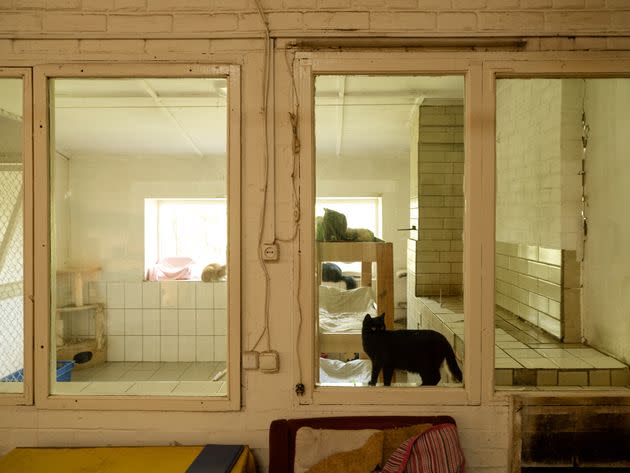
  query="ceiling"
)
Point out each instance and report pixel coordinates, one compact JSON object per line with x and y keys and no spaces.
{"x":140,"y":117}
{"x":355,"y":115}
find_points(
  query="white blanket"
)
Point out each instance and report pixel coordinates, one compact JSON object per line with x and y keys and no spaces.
{"x":336,"y":371}
{"x":342,"y":311}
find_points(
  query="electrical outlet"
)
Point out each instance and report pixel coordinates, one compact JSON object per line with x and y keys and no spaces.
{"x":269,"y":361}
{"x":250,"y":360}
{"x":270,"y":252}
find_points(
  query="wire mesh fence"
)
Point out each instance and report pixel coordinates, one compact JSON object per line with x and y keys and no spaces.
{"x":11,"y":270}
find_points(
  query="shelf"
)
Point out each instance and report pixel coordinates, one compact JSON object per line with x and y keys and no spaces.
{"x":87,"y":269}
{"x":74,"y":308}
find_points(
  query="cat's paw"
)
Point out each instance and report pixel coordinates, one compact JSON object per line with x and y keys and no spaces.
{"x":372,"y":383}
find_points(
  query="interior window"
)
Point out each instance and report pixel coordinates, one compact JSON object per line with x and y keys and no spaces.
{"x":11,"y":237}
{"x":399,"y":138}
{"x":139,"y":186}
{"x":562,"y":272}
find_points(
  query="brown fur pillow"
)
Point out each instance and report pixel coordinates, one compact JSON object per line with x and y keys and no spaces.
{"x":393,"y":438}
{"x":360,"y":460}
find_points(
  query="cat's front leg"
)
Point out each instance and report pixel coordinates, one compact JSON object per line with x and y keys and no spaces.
{"x":376,"y":369}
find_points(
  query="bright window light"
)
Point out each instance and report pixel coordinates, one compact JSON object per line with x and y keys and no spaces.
{"x":186,"y":228}
{"x":360,"y":212}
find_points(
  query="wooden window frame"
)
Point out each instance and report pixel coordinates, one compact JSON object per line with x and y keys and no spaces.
{"x":42,"y":358}
{"x":26,"y":74}
{"x":309,"y":65}
{"x":564,"y":65}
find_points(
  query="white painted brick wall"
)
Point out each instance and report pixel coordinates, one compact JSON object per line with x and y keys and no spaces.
{"x":486,"y":17}
{"x":141,"y":30}
{"x":438,"y":267}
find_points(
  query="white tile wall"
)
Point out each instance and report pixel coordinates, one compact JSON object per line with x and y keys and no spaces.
{"x":205,"y":295}
{"x":220,"y":295}
{"x":115,"y":322}
{"x":205,"y":322}
{"x":133,"y":322}
{"x":168,"y":348}
{"x":151,"y":295}
{"x":187,"y":350}
{"x":133,"y":295}
{"x":150,"y":322}
{"x":133,"y":347}
{"x":151,"y":348}
{"x":161,"y":321}
{"x":116,"y":348}
{"x":186,"y":321}
{"x":115,"y":295}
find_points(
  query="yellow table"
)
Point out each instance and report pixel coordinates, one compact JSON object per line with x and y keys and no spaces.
{"x":177,"y":459}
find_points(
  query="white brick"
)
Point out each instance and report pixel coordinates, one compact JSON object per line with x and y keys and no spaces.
{"x":97,"y":5}
{"x":621,"y":4}
{"x":177,"y":45}
{"x":579,"y":21}
{"x":173,"y":5}
{"x":333,"y":4}
{"x":511,"y":21}
{"x":568,"y":4}
{"x":206,"y":23}
{"x":130,"y":5}
{"x":117,"y":46}
{"x":469,"y":4}
{"x":74,"y":22}
{"x":503,"y":4}
{"x":620,"y":20}
{"x":137,"y":23}
{"x":428,"y":5}
{"x":34,"y":45}
{"x":457,"y":21}
{"x":420,"y":21}
{"x":63,"y":4}
{"x":299,"y":4}
{"x":285,"y":21}
{"x":234,"y":5}
{"x":369,"y":5}
{"x":337,"y":21}
{"x":29,"y":4}
{"x":536,"y":4}
{"x":402,"y":4}
{"x":20,"y":22}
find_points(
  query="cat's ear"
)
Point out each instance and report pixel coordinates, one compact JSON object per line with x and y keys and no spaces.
{"x":367,"y":318}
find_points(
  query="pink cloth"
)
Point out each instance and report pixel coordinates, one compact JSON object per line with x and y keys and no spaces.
{"x":435,"y":450}
{"x":170,"y":268}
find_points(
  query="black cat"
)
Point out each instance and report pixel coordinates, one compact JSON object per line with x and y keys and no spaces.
{"x":417,"y":351}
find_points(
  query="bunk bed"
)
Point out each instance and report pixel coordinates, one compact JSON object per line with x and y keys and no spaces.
{"x":349,"y":340}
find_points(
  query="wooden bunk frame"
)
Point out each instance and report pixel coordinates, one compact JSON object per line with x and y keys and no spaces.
{"x":366,"y":253}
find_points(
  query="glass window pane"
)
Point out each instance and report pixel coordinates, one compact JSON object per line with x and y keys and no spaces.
{"x":389,"y":222}
{"x":562,"y":265}
{"x":139,"y":231}
{"x":11,"y":237}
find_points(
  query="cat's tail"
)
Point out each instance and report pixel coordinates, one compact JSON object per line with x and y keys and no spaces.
{"x":453,"y":367}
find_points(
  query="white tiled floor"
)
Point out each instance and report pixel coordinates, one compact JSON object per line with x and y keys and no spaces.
{"x":526,"y":355}
{"x":147,"y":378}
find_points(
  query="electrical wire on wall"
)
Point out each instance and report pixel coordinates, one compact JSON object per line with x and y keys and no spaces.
{"x":295,"y":175}
{"x":263,"y":208}
{"x":583,"y":199}
{"x":293,"y":116}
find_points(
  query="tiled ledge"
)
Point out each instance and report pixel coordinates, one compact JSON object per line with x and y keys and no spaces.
{"x":524,"y":355}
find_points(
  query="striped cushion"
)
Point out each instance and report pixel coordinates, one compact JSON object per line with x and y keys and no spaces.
{"x":436,"y":450}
